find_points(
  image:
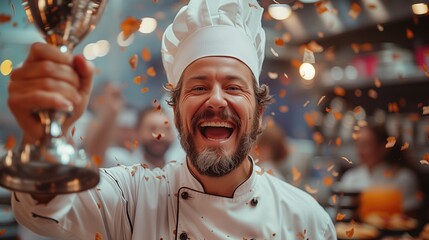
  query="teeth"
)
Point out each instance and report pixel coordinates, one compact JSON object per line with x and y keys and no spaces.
{"x":216,"y":124}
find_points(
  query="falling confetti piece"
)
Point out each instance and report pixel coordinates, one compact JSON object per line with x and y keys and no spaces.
{"x":97,"y":160}
{"x":320,"y":34}
{"x":380,"y":27}
{"x":98,"y":236}
{"x":129,"y":26}
{"x":158,"y":136}
{"x":334,"y":199}
{"x":328,"y":181}
{"x":339,"y":91}
{"x":320,"y":100}
{"x":295,"y":63}
{"x":425,"y":110}
{"x":372,"y":94}
{"x":405,"y":146}
{"x":4,"y":18}
{"x":330,"y":167}
{"x":321,"y":7}
{"x":144,"y":90}
{"x":315,"y":47}
{"x":146,"y":55}
{"x":306,"y":103}
{"x":279,"y":42}
{"x":340,"y":216}
{"x":151,"y":72}
{"x":309,"y":189}
{"x":347,"y":160}
{"x":282,"y":93}
{"x":296,"y":174}
{"x":138,"y":80}
{"x":274,"y":52}
{"x":287,"y":37}
{"x":284,"y":109}
{"x":424,"y":162}
{"x":73,"y":131}
{"x":308,"y":56}
{"x":337,"y":115}
{"x":318,"y":138}
{"x":350,"y":232}
{"x":273,"y":75}
{"x":410,"y":34}
{"x":260,"y":172}
{"x":10,"y":142}
{"x":144,"y":165}
{"x":393,"y":107}
{"x":133,"y":61}
{"x":355,"y":10}
{"x":377,"y":82}
{"x":133,"y":170}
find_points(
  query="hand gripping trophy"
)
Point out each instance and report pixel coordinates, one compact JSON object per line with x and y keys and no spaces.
{"x":53,"y":165}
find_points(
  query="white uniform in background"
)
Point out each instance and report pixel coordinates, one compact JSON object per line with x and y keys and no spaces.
{"x":137,"y":203}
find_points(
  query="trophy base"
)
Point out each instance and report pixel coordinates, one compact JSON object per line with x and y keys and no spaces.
{"x":42,"y":170}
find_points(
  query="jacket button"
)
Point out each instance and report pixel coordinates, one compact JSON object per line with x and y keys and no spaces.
{"x":183,"y":236}
{"x":184,"y":195}
{"x":254,"y":202}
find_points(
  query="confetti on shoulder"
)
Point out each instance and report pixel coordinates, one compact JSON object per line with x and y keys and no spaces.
{"x":347,"y":160}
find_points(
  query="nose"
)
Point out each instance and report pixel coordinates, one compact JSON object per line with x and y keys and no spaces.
{"x":216,"y":99}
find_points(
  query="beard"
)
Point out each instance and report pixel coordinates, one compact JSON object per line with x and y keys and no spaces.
{"x":215,"y":161}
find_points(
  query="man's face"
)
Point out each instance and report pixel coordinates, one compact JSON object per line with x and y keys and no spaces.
{"x":370,"y":151}
{"x":155,"y":134}
{"x":216,"y":115}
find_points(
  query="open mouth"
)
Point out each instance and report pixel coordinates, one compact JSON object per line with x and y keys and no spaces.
{"x":216,"y":131}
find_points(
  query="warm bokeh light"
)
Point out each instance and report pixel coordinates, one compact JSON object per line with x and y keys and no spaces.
{"x":307,"y":71}
{"x":103,"y":48}
{"x":148,"y":25}
{"x":420,"y":8}
{"x":279,"y":11}
{"x":91,"y":51}
{"x":6,"y":67}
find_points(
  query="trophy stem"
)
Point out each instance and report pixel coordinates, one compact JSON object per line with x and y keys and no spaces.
{"x":52,"y":122}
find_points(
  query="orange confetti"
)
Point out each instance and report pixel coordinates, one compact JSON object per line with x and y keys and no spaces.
{"x":377,"y":82}
{"x":73,"y":131}
{"x":321,"y":7}
{"x":318,"y":138}
{"x":284,"y":109}
{"x":296,"y":174}
{"x":372,"y":94}
{"x":355,"y":10}
{"x":405,"y":146}
{"x":338,"y":141}
{"x":145,"y":90}
{"x":151,"y":72}
{"x":98,"y":236}
{"x":295,"y":63}
{"x":328,"y":181}
{"x":337,"y":115}
{"x":137,"y":80}
{"x":146,"y":55}
{"x":133,"y":61}
{"x":388,"y":173}
{"x":334,"y":199}
{"x":425,"y":110}
{"x":350,"y":232}
{"x":410,"y":34}
{"x":279,"y":42}
{"x":260,"y":172}
{"x":97,"y":160}
{"x":327,"y":109}
{"x":282,"y":93}
{"x":129,"y":26}
{"x":133,"y":170}
{"x":135,"y":143}
{"x":393,"y":107}
{"x":339,"y":91}
{"x":315,"y":47}
{"x":4,"y":18}
{"x":309,"y":189}
{"x":340,"y":216}
{"x":10,"y":142}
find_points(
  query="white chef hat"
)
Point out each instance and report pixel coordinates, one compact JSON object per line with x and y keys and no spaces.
{"x":205,"y":28}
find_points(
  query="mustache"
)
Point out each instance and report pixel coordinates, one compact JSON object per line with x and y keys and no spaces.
{"x":208,"y":113}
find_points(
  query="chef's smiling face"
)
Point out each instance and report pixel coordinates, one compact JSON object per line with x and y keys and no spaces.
{"x":217,"y":115}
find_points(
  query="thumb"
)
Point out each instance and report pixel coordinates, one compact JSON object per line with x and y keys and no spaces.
{"x":85,"y":70}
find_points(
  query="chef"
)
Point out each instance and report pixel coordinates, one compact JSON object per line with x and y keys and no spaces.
{"x":213,"y":54}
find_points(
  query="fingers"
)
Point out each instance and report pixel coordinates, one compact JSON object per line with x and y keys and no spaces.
{"x":46,"y":69}
{"x":38,"y":100}
{"x":85,"y":70}
{"x":42,"y":51}
{"x":66,"y":90}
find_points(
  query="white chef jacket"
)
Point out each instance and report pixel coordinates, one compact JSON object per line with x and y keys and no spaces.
{"x":170,"y":203}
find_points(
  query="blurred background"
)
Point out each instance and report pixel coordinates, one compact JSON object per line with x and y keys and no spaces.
{"x":333,"y":66}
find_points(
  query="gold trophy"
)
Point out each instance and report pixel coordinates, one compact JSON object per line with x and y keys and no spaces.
{"x":54,"y":165}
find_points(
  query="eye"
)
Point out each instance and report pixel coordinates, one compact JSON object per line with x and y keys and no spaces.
{"x":233,"y":88}
{"x":199,"y":88}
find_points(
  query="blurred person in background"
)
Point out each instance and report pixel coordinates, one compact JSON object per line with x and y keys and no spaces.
{"x":270,"y":150}
{"x":382,"y":165}
{"x":154,"y":136}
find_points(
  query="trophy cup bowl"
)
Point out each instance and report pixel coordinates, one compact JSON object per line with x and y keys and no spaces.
{"x":54,"y":165}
